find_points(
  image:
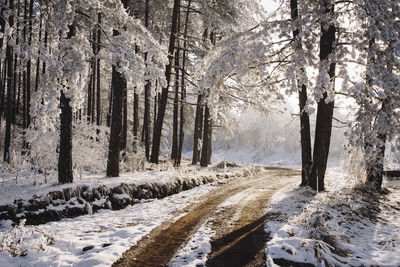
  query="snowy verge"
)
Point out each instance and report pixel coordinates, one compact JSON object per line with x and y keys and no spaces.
{"x":62,"y":201}
{"x":98,"y":239}
{"x":341,"y":227}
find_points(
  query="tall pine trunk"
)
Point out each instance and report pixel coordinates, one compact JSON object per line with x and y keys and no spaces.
{"x":183,"y":90}
{"x":119,"y":86}
{"x":65,"y":172}
{"x":98,"y":82}
{"x":155,"y":150}
{"x":323,"y":128}
{"x":146,"y":117}
{"x":174,"y":152}
{"x":29,"y":67}
{"x":10,"y":97}
{"x":198,"y":128}
{"x":205,"y":150}
{"x":305,"y":136}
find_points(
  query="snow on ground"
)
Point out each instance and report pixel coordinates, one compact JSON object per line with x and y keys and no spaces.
{"x":109,"y":232}
{"x":339,"y":227}
{"x":97,"y":239}
{"x":25,"y":184}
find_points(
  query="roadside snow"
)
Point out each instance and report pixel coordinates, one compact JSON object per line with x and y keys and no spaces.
{"x":109,"y":232}
{"x":339,"y":227}
{"x":25,"y":184}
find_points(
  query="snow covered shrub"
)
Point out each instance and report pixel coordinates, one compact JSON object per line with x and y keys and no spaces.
{"x":43,"y":151}
{"x":19,"y":240}
{"x":89,"y":146}
{"x":134,"y":161}
{"x":354,"y":165}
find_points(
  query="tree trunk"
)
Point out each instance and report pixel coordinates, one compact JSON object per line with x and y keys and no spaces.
{"x":65,"y":173}
{"x":155,"y":151}
{"x":198,"y":127}
{"x":323,"y":128}
{"x":98,"y":102}
{"x":183,"y":89}
{"x":39,"y":53}
{"x":174,"y":152}
{"x":205,"y":151}
{"x":110,"y":101}
{"x":10,"y":97}
{"x":135,"y":120}
{"x":119,"y":86}
{"x":146,"y":117}
{"x":305,"y":136}
{"x":125,"y":120}
{"x":28,"y":67}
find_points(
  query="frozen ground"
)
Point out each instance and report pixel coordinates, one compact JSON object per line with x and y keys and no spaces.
{"x":25,"y":184}
{"x":90,"y":240}
{"x":109,"y":232}
{"x":340,"y":227}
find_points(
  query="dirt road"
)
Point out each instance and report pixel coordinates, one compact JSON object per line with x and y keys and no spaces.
{"x":239,"y":239}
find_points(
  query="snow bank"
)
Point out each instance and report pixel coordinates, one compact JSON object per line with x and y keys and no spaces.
{"x":340,"y":227}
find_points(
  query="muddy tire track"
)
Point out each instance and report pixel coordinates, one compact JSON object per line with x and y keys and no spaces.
{"x":159,"y":247}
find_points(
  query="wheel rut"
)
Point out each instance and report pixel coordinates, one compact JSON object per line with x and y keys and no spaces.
{"x":239,"y":240}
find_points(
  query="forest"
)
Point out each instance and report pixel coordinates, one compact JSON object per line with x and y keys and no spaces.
{"x":115,"y":107}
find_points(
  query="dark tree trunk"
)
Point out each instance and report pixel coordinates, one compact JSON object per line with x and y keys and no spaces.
{"x":89,"y":93}
{"x":65,"y":173}
{"x":146,"y":117}
{"x":39,"y":53}
{"x":174,"y":152}
{"x":16,"y":80}
{"x":110,"y":103}
{"x":205,"y":150}
{"x":116,"y":124}
{"x":125,"y":120}
{"x":119,"y":86}
{"x":183,"y":89}
{"x":155,"y":150}
{"x":28,"y":68}
{"x":94,"y":77}
{"x":305,"y":136}
{"x":135,"y":120}
{"x":198,"y":127}
{"x":323,"y":128}
{"x":45,"y":47}
{"x":98,"y":102}
{"x":10,"y":97}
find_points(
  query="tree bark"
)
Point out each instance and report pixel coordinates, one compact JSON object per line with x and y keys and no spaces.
{"x":198,"y":127}
{"x":174,"y":152}
{"x":146,"y":117}
{"x":28,"y":67}
{"x":323,"y":128}
{"x":98,"y":102}
{"x":183,"y":89}
{"x":125,"y":120}
{"x":305,"y":136}
{"x":155,"y":151}
{"x":10,"y":97}
{"x":119,"y":86}
{"x":65,"y":172}
{"x":205,"y":151}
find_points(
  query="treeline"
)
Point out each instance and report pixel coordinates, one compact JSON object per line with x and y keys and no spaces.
{"x":103,"y":65}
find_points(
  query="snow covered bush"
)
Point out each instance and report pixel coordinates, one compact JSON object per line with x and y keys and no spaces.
{"x":19,"y":240}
